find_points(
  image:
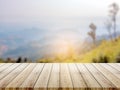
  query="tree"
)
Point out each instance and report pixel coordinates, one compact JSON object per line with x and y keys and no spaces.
{"x":113,"y":13}
{"x":108,"y":25}
{"x":92,"y":33}
{"x":19,"y":60}
{"x":25,"y":59}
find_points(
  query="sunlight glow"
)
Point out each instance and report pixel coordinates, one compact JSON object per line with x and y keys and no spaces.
{"x":64,"y":46}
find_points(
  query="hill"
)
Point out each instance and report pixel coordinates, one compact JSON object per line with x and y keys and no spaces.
{"x":110,"y":49}
{"x":107,"y":49}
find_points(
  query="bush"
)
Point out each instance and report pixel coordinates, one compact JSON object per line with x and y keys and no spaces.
{"x":118,"y":58}
{"x":94,"y":60}
{"x":1,"y":60}
{"x":101,"y":59}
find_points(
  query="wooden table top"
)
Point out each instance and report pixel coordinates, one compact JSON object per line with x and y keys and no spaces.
{"x":54,"y":76}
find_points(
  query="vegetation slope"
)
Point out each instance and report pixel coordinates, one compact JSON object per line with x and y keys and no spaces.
{"x":107,"y":49}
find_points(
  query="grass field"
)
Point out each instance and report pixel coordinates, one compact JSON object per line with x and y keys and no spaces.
{"x":110,"y":49}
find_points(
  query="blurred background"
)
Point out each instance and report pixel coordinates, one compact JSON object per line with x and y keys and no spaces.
{"x":59,"y":31}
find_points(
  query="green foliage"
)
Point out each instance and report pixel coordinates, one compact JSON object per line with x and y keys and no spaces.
{"x":101,"y":59}
{"x":1,"y":60}
{"x":107,"y":51}
{"x":118,"y":58}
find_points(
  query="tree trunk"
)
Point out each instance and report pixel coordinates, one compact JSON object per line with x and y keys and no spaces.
{"x":115,"y":27}
{"x":110,"y":35}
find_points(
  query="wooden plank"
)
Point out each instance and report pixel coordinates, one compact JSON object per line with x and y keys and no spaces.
{"x":112,"y":70}
{"x":43,"y":79}
{"x":53,"y":83}
{"x":116,"y":66}
{"x":89,"y":79}
{"x":32,"y":78}
{"x":7,"y":69}
{"x":108,"y":75}
{"x":4,"y":67}
{"x":1,"y":64}
{"x":78,"y":81}
{"x":104,"y":82}
{"x":21,"y":77}
{"x":65,"y":79}
{"x":58,"y":76}
{"x":18,"y":68}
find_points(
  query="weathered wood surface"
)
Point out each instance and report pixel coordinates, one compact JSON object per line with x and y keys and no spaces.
{"x":59,"y":76}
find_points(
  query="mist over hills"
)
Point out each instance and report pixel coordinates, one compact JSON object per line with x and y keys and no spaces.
{"x":36,"y":43}
{"x":37,"y":49}
{"x":11,"y":39}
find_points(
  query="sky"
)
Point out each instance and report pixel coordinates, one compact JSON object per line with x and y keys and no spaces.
{"x":54,"y":14}
{"x":37,"y":9}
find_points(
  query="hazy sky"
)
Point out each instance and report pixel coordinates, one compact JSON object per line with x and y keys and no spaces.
{"x":55,"y":14}
{"x":45,"y":9}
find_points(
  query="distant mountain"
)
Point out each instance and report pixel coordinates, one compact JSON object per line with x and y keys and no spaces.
{"x":37,"y":49}
{"x":13,"y":39}
{"x":33,"y":42}
{"x":36,"y":43}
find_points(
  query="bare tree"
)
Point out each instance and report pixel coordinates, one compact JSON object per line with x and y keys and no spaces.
{"x":113,"y":13}
{"x":108,"y":25}
{"x":92,"y":33}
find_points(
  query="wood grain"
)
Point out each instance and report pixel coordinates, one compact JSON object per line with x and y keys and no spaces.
{"x":59,"y":76}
